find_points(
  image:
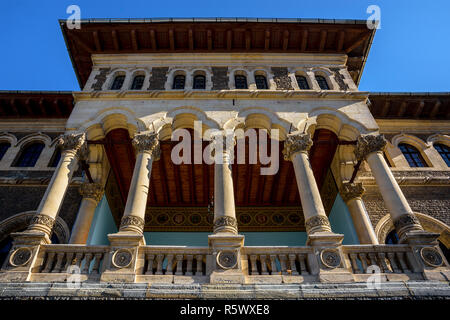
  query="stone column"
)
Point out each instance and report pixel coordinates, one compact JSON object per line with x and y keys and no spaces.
{"x":224,"y":209}
{"x":72,"y":146}
{"x":296,"y":149}
{"x":370,"y":148}
{"x":351,"y":193}
{"x":92,"y":193}
{"x":148,"y":150}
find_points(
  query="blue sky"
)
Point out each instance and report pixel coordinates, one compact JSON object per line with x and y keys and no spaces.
{"x":411,"y":51}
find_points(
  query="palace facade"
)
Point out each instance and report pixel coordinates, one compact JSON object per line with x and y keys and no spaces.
{"x":94,"y":203}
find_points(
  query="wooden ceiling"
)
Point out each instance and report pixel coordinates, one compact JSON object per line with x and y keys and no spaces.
{"x":192,"y":185}
{"x":137,"y":36}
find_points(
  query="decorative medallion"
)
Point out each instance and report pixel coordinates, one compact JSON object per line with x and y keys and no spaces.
{"x":277,"y":218}
{"x":431,"y":256}
{"x":162,"y":218}
{"x":294,"y":218}
{"x":244,"y":219}
{"x":330,"y":258}
{"x":296,"y":142}
{"x":178,"y":218}
{"x":20,"y":257}
{"x":368,"y":144}
{"x":261,"y":218}
{"x":317,"y":221}
{"x":195,"y":218}
{"x":122,"y":258}
{"x":227,"y":259}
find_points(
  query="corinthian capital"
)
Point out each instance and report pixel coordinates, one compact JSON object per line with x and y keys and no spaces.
{"x":72,"y":141}
{"x":296,"y":142}
{"x":92,"y":190}
{"x":351,"y":191}
{"x":368,"y":144}
{"x":147,"y":142}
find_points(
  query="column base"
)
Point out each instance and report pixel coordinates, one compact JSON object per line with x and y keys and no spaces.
{"x":324,"y":239}
{"x":226,"y":263}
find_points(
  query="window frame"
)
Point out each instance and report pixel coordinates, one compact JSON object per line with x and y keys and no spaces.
{"x":320,"y":79}
{"x":412,"y":155}
{"x":174,"y":83}
{"x":264,"y":78}
{"x":114,"y":85}
{"x":196,"y":78}
{"x":32,"y":158}
{"x":4,"y":150}
{"x":445,"y":154}
{"x":297,"y":76}
{"x":244,"y":77}
{"x":133,"y":83}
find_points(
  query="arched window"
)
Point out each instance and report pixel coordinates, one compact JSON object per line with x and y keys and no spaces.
{"x":29,"y":156}
{"x":322,"y":82}
{"x":392,"y":238}
{"x":302,"y":82}
{"x":178,"y":82}
{"x":199,"y":82}
{"x":412,"y":155}
{"x":55,"y":158}
{"x":240,"y":81}
{"x":4,"y":146}
{"x":138,"y":82}
{"x":443,"y":150}
{"x":118,"y":82}
{"x":261,"y":81}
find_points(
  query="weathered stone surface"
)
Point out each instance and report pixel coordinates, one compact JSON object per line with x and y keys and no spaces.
{"x":158,"y":78}
{"x":100,"y":79}
{"x":220,"y":78}
{"x":281,"y":78}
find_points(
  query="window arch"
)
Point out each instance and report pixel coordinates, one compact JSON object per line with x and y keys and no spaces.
{"x":443,"y":150}
{"x":29,"y":155}
{"x":240,"y":81}
{"x":138,"y":82}
{"x":54,"y":161}
{"x":322,"y":82}
{"x":412,"y":155}
{"x":302,"y":82}
{"x":261,"y":81}
{"x":199,"y":82}
{"x":179,"y":81}
{"x":118,"y":82}
{"x":4,"y":146}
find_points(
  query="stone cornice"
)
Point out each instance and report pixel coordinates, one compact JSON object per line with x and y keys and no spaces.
{"x":220,"y":94}
{"x":411,"y":178}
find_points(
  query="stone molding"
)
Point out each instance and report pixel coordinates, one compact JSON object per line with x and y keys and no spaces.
{"x":368,"y":144}
{"x":350,"y":191}
{"x":132,"y":221}
{"x":92,"y":190}
{"x":147,"y":142}
{"x":405,"y":223}
{"x":295,"y":143}
{"x":42,"y":219}
{"x":411,"y":177}
{"x":315,"y":222}
{"x":225,"y":222}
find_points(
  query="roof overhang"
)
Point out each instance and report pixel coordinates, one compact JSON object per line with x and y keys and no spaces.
{"x":124,"y":36}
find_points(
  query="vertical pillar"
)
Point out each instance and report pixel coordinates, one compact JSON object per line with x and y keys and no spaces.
{"x":296,"y":150}
{"x":370,"y":148}
{"x":148,"y":150}
{"x":92,"y":193}
{"x":72,"y":145}
{"x":351,"y":193}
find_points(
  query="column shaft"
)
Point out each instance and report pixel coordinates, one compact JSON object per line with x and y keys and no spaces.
{"x":361,"y":221}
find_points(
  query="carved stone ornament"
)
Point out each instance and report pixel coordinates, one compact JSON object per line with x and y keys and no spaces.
{"x":431,"y":257}
{"x":317,"y":221}
{"x":225,"y":222}
{"x":147,"y":142}
{"x":92,"y":190}
{"x":20,"y":257}
{"x":227,"y":259}
{"x":330,"y":258}
{"x":351,"y":191}
{"x":122,"y":258}
{"x":72,"y":141}
{"x":296,"y":142}
{"x":406,"y":220}
{"x":368,"y":144}
{"x":42,"y":219}
{"x":132,"y":221}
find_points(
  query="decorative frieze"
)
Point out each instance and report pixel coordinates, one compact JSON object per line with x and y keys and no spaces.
{"x":350,"y":191}
{"x":368,"y":144}
{"x":296,"y":142}
{"x":92,"y":190}
{"x":147,"y":142}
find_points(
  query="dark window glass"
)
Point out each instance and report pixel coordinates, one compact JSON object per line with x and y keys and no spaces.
{"x":240,"y":82}
{"x":3,"y":148}
{"x":118,"y":82}
{"x":5,"y":246}
{"x":392,"y":238}
{"x":322,"y":82}
{"x":178,"y":82}
{"x":261,"y":82}
{"x":30,"y":155}
{"x":55,"y":159}
{"x":443,"y":150}
{"x":412,"y":155}
{"x":138,"y":82}
{"x":302,"y":83}
{"x":199,"y":82}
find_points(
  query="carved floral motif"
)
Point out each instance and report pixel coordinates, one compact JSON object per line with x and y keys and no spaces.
{"x":317,"y":221}
{"x":368,"y":144}
{"x":351,"y":191}
{"x":92,"y":190}
{"x":147,"y":142}
{"x":296,"y":142}
{"x":132,"y":221}
{"x":72,"y":141}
